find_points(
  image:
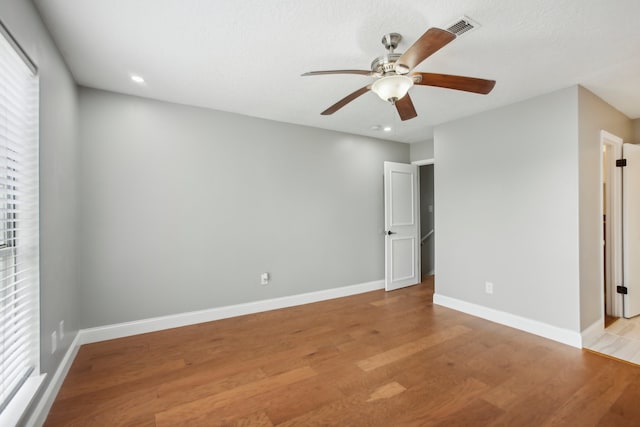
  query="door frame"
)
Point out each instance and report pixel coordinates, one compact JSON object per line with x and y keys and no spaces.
{"x":423,"y":162}
{"x":419,"y":163}
{"x":614,"y":223}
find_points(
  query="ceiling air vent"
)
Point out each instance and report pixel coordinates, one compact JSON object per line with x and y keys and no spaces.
{"x":462,"y":25}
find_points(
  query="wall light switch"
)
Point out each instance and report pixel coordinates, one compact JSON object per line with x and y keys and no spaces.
{"x":54,"y":342}
{"x":264,"y":279}
{"x":488,"y":287}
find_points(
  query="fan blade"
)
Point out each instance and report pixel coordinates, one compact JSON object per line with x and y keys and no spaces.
{"x":319,"y":73}
{"x":405,"y":108}
{"x":467,"y":84}
{"x":430,"y":42}
{"x":347,"y":99}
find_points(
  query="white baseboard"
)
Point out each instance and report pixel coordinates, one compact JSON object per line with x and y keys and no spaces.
{"x":593,"y":332}
{"x":535,"y":327}
{"x":39,"y":414}
{"x":126,"y":329}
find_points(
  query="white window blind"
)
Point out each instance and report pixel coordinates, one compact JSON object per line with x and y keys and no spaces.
{"x":19,"y":235}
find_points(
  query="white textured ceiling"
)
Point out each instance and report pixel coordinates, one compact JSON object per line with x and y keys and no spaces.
{"x":246,"y":56}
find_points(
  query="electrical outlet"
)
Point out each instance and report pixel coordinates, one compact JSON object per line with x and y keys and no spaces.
{"x":488,"y":287}
{"x":61,"y":330}
{"x":54,"y":342}
{"x":264,"y":279}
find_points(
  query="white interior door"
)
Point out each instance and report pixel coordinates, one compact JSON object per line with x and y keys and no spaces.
{"x":402,"y":225}
{"x":631,"y":228}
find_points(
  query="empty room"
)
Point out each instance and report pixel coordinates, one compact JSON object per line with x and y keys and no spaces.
{"x":286,"y":213}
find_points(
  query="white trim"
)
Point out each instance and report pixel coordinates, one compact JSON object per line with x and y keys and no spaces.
{"x":24,"y":56}
{"x":608,"y":135}
{"x":535,"y":327}
{"x":19,"y":403}
{"x":126,"y":329}
{"x":423,"y":162}
{"x":39,"y":414}
{"x":592,"y":333}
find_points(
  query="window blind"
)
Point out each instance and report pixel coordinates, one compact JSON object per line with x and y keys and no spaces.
{"x":19,"y":229}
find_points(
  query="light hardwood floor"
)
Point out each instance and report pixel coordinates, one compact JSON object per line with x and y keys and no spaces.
{"x":621,"y":339}
{"x":374,"y":359}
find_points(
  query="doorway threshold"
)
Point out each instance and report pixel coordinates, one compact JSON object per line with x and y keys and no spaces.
{"x":621,"y":340}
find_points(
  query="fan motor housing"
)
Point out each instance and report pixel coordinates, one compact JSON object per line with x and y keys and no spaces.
{"x":385,"y":64}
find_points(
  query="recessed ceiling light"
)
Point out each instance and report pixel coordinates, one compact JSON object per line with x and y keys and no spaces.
{"x":137,"y":78}
{"x":387,"y":128}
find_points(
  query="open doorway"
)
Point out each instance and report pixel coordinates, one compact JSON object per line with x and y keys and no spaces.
{"x":427,"y":247}
{"x":620,"y":232}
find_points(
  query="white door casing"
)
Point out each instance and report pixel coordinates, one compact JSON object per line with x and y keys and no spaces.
{"x":402,"y":225}
{"x":613,"y":208}
{"x":631,"y":228}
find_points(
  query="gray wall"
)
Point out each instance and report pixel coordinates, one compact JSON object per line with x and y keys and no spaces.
{"x":426,"y":218}
{"x":421,"y":150}
{"x":636,"y":131}
{"x":183,"y":208}
{"x":58,"y":177}
{"x":507,"y":209}
{"x":594,"y":115}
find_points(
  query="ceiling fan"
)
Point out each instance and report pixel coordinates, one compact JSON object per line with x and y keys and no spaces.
{"x":394,"y":75}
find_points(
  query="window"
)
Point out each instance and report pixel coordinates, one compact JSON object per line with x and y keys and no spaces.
{"x":19,"y":234}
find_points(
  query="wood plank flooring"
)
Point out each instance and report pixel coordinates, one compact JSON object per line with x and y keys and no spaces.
{"x":374,"y":359}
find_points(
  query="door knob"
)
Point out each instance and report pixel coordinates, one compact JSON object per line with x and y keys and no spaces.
{"x":389,"y":233}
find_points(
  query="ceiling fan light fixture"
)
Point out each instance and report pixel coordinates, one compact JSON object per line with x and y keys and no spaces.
{"x":392,"y":88}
